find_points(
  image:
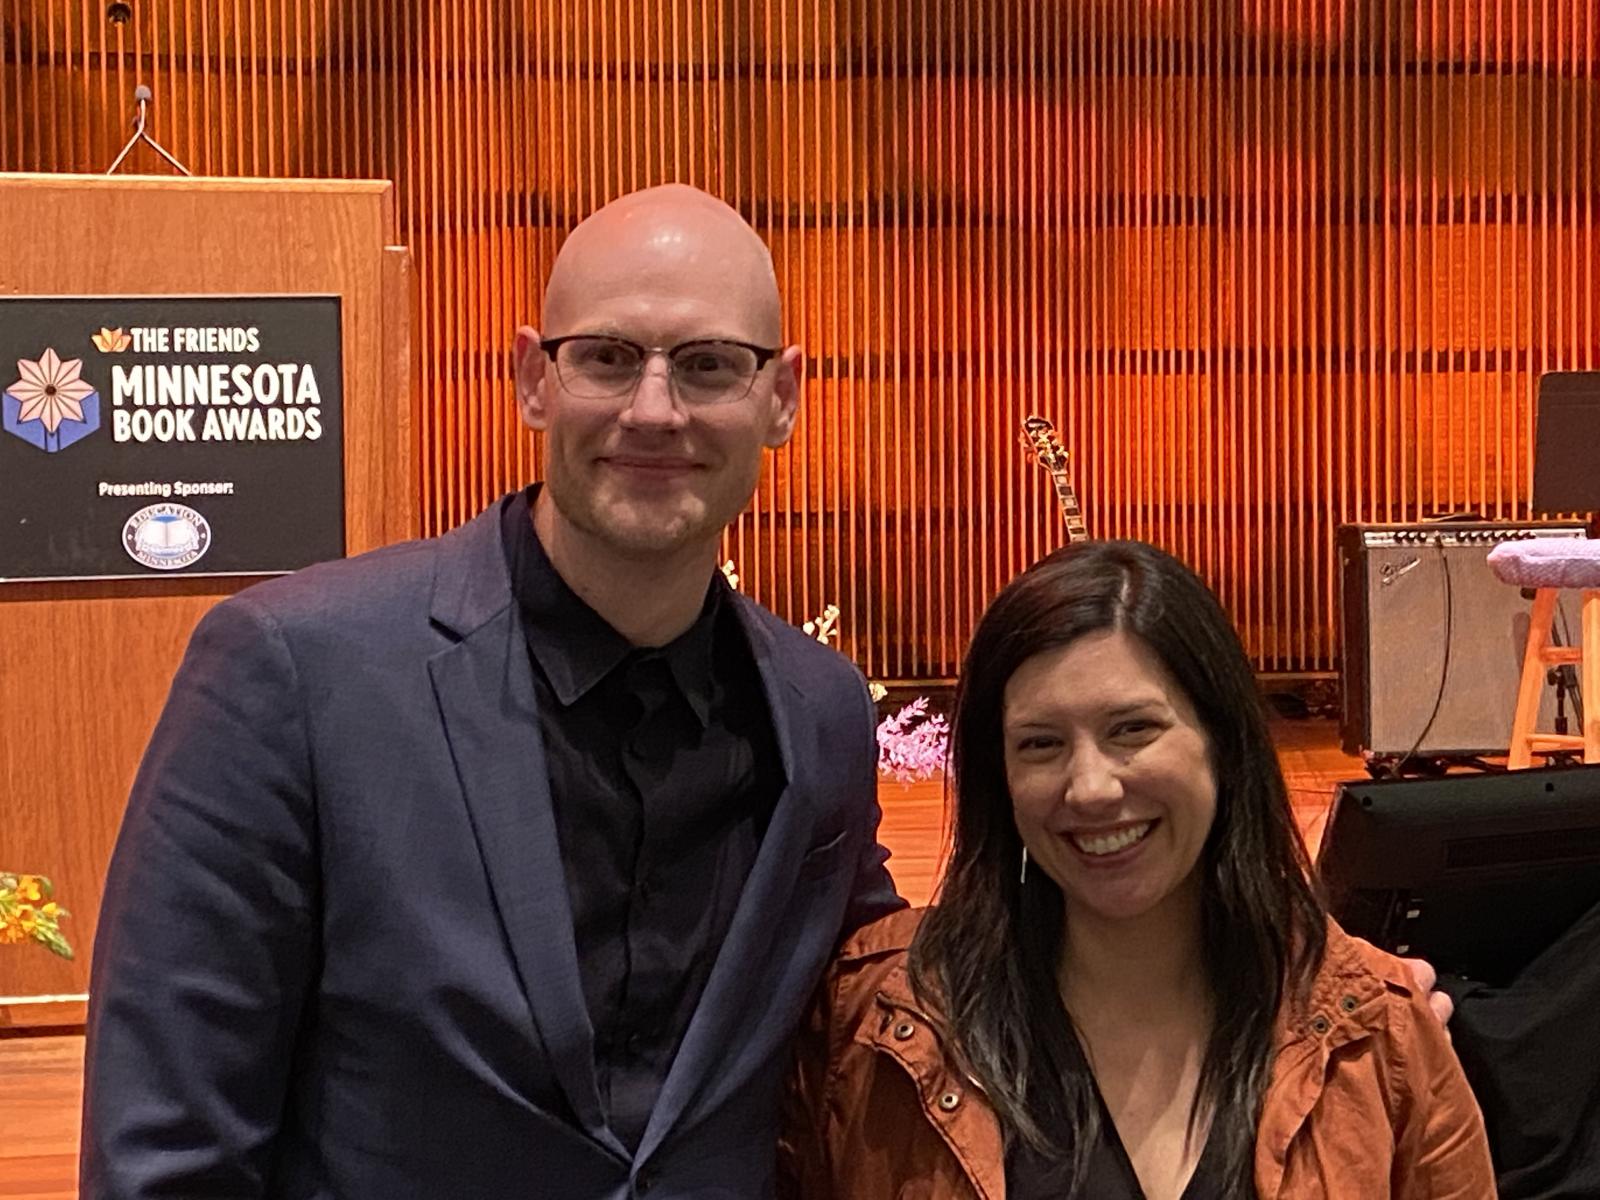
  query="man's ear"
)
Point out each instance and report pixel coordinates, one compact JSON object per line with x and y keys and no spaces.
{"x":532,"y":368}
{"x":786,"y":389}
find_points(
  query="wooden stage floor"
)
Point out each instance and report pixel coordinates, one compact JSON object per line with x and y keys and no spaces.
{"x":40,"y":1077}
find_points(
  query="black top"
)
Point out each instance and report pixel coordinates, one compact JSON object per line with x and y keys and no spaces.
{"x":1029,"y":1176}
{"x":663,"y":775}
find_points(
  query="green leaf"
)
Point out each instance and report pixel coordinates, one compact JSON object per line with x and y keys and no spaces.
{"x":54,"y":942}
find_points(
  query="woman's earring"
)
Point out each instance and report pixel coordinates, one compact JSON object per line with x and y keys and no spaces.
{"x":1024,"y":878}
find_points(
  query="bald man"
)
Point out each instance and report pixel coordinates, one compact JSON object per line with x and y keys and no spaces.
{"x":503,"y":864}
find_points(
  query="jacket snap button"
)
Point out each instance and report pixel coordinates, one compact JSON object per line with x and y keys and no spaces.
{"x":1348,"y":1004}
{"x":1320,"y":1024}
{"x":904,"y":1030}
{"x":949,"y":1101}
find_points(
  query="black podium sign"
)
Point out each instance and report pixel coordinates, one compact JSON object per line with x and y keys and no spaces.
{"x":169,"y":435}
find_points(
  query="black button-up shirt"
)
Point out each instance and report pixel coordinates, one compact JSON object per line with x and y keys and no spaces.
{"x":663,"y":776}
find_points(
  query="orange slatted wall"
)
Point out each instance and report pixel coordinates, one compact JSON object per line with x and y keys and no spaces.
{"x":1270,"y":265}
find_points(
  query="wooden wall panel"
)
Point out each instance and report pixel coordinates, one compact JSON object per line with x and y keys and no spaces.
{"x":1270,"y":265}
{"x":85,"y":665}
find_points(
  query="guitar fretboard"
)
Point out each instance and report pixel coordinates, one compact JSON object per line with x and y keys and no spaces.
{"x":1068,"y":495}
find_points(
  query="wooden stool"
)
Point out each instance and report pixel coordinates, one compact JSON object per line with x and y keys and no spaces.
{"x":1551,"y":565}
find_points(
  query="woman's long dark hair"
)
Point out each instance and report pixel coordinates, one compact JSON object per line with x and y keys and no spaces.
{"x":987,"y":954}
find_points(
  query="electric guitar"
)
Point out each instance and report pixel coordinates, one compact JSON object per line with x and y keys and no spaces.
{"x":1039,"y":435}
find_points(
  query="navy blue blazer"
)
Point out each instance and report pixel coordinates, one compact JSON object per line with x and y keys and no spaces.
{"x":336,"y":958}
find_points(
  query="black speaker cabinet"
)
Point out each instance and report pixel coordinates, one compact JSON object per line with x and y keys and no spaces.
{"x":1408,"y":592}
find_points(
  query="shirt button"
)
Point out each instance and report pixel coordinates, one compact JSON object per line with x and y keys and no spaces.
{"x":1320,"y":1025}
{"x":950,"y":1101}
{"x":1348,"y":1004}
{"x":904,"y":1030}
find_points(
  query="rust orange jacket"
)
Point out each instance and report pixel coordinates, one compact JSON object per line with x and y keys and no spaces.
{"x":1366,"y":1098}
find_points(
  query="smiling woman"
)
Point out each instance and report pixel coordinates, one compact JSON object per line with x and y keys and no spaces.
{"x":1110,"y":778}
{"x":1127,"y":988}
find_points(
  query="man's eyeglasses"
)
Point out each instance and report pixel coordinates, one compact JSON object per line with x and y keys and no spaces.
{"x":704,"y":372}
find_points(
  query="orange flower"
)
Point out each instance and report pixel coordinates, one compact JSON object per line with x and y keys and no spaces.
{"x":27,"y":919}
{"x":50,"y":910}
{"x":28,"y":889}
{"x":11,"y":933}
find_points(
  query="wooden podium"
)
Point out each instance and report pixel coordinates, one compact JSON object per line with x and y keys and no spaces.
{"x":85,"y":666}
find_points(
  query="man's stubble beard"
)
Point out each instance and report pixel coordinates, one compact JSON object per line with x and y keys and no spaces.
{"x":580,"y":508}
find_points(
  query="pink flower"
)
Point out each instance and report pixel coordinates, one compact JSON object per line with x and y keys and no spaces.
{"x":911,"y":744}
{"x":50,"y":390}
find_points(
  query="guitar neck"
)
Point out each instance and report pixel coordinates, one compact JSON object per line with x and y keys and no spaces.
{"x":1068,"y":495}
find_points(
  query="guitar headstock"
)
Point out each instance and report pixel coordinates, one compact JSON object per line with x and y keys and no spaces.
{"x":1039,"y":435}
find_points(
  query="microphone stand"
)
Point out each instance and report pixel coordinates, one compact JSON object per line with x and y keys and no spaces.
{"x":141,"y":133}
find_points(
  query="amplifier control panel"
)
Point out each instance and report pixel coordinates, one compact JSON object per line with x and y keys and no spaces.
{"x":1466,"y":533}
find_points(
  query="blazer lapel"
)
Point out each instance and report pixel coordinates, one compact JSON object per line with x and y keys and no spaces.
{"x":484,"y":688}
{"x":709,"y":1055}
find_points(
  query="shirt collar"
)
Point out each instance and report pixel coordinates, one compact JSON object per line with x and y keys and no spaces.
{"x":574,"y":645}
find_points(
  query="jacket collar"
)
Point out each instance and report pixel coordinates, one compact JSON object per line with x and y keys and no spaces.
{"x":1343,"y":1005}
{"x":912,"y":1034}
{"x":472,"y":584}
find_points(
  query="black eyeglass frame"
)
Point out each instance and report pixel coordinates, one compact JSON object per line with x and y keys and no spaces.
{"x":763,"y":356}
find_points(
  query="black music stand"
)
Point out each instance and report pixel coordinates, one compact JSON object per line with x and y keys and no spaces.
{"x":1566,"y":448}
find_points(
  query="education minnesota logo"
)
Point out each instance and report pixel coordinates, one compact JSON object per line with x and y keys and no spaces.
{"x":166,"y":537}
{"x":50,"y":406}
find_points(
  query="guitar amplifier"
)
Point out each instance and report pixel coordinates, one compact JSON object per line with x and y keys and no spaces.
{"x":1420,"y":607}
